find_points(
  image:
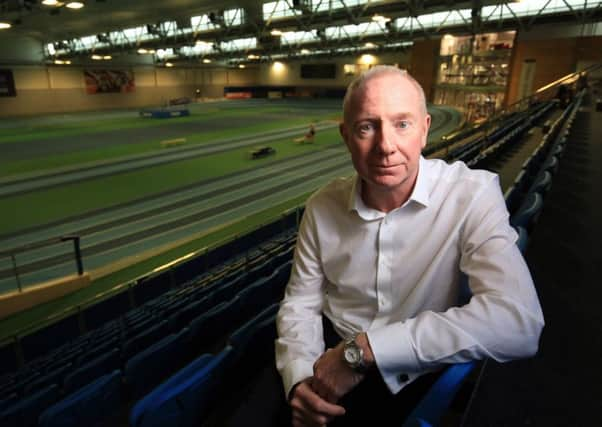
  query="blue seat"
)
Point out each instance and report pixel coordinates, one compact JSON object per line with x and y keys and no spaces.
{"x":181,"y":318}
{"x":437,"y":400}
{"x":542,"y":184}
{"x":265,"y":291}
{"x":252,"y":348}
{"x":147,"y":368}
{"x":54,"y":376}
{"x":528,"y":211}
{"x":25,"y":412}
{"x":91,"y":405}
{"x":185,"y":399}
{"x":551,"y":164}
{"x":208,"y":330}
{"x":239,"y":337}
{"x":8,"y":401}
{"x":92,"y":370}
{"x":144,"y":339}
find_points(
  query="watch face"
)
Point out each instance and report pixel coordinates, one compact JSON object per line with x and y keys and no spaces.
{"x":352,"y":355}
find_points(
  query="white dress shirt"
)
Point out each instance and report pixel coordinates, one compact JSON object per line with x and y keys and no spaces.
{"x":396,"y":276}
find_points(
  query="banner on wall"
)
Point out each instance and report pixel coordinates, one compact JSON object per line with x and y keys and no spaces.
{"x":7,"y":83}
{"x":109,"y":81}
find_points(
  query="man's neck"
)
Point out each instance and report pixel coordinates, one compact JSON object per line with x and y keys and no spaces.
{"x":385,"y":199}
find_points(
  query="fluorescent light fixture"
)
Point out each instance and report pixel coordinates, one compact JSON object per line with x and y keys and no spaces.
{"x":62,"y":62}
{"x":50,"y":2}
{"x":168,"y":64}
{"x":367,"y":59}
{"x":203,"y":43}
{"x":206,"y":61}
{"x":278,"y":67}
{"x":276,"y":32}
{"x":75,"y":5}
{"x":380,"y":19}
{"x":304,"y":51}
{"x":369,"y":45}
{"x":242,"y":66}
{"x":5,"y":25}
{"x":97,"y":57}
{"x":107,"y":57}
{"x":251,"y":56}
{"x":143,"y":51}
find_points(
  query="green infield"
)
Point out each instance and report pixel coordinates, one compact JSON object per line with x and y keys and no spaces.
{"x":40,"y":207}
{"x":229,"y":125}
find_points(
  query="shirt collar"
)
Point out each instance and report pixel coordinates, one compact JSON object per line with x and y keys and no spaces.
{"x":420,"y":194}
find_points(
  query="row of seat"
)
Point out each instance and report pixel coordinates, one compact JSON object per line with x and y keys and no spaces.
{"x":510,"y":129}
{"x":237,"y":301}
{"x":143,"y":325}
{"x":525,"y":197}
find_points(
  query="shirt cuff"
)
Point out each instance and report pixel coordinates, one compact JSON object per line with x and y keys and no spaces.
{"x":394,"y":355}
{"x":295,"y":372}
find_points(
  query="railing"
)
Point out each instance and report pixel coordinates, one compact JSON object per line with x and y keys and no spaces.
{"x":12,"y":254}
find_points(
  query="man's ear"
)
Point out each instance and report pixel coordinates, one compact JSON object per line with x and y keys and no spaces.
{"x":427,"y":126}
{"x":344,"y":132}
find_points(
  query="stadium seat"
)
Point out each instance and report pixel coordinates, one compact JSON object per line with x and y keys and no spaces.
{"x":184,"y":400}
{"x":147,"y":368}
{"x":93,"y":405}
{"x":55,"y":376}
{"x":25,"y":412}
{"x":92,"y":370}
{"x":210,"y":329}
{"x":437,"y":400}
{"x":144,"y":339}
{"x":528,"y":211}
{"x":542,"y":184}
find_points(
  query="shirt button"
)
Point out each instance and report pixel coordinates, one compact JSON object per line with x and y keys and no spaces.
{"x":403,"y":378}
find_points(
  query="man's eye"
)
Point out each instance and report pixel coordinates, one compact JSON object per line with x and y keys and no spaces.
{"x":403,"y":124}
{"x":365,"y":127}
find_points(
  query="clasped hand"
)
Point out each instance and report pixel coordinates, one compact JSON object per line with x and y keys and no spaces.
{"x":314,"y":401}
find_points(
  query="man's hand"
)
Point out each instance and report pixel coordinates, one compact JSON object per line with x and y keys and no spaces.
{"x":333,"y":378}
{"x":309,"y":409}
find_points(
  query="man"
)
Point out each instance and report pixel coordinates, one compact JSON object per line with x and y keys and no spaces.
{"x":379,"y":256}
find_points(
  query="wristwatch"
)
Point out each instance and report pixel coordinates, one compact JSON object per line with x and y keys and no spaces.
{"x":353,"y":355}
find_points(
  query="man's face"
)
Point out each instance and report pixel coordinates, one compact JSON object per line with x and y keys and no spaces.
{"x":385,"y":130}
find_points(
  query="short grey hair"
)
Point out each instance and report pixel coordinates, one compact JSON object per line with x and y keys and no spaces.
{"x":376,"y":71}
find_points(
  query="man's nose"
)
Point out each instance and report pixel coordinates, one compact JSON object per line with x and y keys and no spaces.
{"x":385,"y":143}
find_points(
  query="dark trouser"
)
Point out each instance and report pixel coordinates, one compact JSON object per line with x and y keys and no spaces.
{"x":369,"y":404}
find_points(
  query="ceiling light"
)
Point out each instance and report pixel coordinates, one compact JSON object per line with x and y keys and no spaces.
{"x":276,"y":32}
{"x":142,"y":51}
{"x":207,"y":61}
{"x":251,"y":56}
{"x":203,"y":43}
{"x":75,"y":5}
{"x":4,"y":25}
{"x":380,"y":19}
{"x":107,"y":57}
{"x":50,"y":2}
{"x":369,"y":45}
{"x":304,"y":51}
{"x":168,"y":64}
{"x":242,"y":66}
